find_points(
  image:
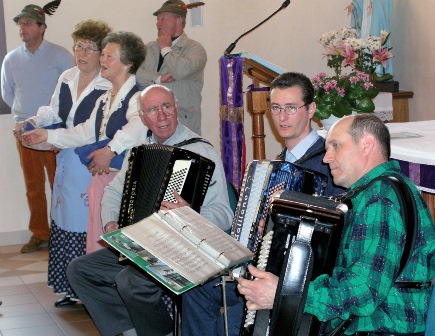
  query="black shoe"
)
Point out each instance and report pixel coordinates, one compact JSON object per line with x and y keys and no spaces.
{"x":65,"y":301}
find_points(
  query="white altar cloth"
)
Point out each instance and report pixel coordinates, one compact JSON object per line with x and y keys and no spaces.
{"x":418,"y":149}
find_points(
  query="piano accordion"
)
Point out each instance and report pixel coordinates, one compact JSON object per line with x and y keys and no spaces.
{"x":301,"y":241}
{"x":260,"y":181}
{"x":154,"y":172}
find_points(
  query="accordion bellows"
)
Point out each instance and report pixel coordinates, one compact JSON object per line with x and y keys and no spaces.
{"x":154,"y":171}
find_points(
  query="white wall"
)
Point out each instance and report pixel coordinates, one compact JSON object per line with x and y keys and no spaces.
{"x":289,"y":40}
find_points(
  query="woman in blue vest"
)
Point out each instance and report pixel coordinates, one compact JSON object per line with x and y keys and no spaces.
{"x":113,"y":126}
{"x":72,"y":102}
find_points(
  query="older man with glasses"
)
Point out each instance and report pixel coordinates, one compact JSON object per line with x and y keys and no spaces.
{"x":119,"y":297}
{"x":28,"y":77}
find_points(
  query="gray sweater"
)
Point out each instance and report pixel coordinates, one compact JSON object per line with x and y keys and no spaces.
{"x":216,"y":206}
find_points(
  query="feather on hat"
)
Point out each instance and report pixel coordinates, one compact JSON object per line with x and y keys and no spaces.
{"x":38,"y":13}
{"x":177,"y":7}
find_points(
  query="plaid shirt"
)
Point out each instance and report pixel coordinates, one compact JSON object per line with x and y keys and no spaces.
{"x":369,"y":258}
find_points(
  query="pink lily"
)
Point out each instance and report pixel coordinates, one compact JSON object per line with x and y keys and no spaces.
{"x":334,"y":50}
{"x":349,"y":57}
{"x":331,"y":51}
{"x":381,"y":55}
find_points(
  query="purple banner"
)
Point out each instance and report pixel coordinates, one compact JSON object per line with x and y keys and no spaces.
{"x":231,"y":117}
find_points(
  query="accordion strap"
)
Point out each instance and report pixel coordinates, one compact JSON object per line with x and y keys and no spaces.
{"x":182,"y":143}
{"x":408,"y":210}
{"x":191,"y":141}
{"x":293,"y":282}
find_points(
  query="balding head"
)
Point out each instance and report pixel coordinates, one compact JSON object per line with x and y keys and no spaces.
{"x":354,"y":146}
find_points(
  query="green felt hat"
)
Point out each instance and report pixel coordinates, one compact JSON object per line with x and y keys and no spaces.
{"x":177,"y":7}
{"x":37,"y":13}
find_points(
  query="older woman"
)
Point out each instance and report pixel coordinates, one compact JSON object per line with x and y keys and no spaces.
{"x":74,"y":97}
{"x":114,"y":124}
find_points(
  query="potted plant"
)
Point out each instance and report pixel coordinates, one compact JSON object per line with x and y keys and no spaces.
{"x":343,"y":95}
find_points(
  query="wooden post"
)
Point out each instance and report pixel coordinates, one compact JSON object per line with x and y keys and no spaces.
{"x":257,"y":106}
{"x":257,"y":102}
{"x":401,"y":106}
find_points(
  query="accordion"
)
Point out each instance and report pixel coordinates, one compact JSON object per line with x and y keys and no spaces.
{"x":154,"y":172}
{"x":300,"y":243}
{"x":261,"y":180}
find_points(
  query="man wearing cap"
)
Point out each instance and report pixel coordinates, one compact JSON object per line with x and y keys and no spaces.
{"x":28,"y":77}
{"x":177,"y":62}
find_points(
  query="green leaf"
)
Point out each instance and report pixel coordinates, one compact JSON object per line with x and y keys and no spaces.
{"x":321,"y":114}
{"x":372,"y":92}
{"x":366,"y":105}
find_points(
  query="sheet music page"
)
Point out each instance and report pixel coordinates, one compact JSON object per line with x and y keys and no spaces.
{"x":220,"y":246}
{"x":168,"y":245}
{"x":148,"y":262}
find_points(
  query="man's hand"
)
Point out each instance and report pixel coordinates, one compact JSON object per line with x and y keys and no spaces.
{"x":17,"y":130}
{"x":163,"y":39}
{"x":35,"y":137}
{"x":166,"y":78}
{"x":166,"y":205}
{"x":260,"y":293}
{"x":101,"y":159}
{"x":111,"y":226}
{"x":20,"y":127}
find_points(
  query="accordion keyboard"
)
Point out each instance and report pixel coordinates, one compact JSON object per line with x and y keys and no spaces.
{"x":177,"y":179}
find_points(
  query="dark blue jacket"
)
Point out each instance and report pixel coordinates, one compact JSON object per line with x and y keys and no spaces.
{"x":313,"y":159}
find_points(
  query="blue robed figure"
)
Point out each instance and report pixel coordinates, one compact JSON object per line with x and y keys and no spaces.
{"x":369,"y":17}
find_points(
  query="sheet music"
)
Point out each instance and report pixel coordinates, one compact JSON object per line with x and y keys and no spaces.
{"x":165,"y":243}
{"x":206,"y":235}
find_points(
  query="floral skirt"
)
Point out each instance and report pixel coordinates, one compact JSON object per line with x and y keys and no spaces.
{"x":64,"y":247}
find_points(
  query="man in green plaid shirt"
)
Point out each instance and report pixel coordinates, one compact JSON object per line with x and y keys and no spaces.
{"x":362,"y":283}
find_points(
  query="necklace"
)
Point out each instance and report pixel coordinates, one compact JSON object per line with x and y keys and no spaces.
{"x":82,"y":82}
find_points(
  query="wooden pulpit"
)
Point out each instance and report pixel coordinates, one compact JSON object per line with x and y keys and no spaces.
{"x":262,"y":73}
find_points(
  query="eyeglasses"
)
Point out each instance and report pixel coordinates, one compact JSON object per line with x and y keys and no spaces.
{"x":25,"y":23}
{"x":288,"y":109}
{"x":88,"y":50}
{"x":166,"y":108}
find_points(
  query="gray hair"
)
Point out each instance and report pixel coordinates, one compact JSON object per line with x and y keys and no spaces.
{"x":371,"y":124}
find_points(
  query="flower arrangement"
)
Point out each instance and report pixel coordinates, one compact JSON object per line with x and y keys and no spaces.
{"x":345,"y":49}
{"x":343,"y":94}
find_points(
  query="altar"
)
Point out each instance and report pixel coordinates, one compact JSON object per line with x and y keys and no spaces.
{"x":412,"y":144}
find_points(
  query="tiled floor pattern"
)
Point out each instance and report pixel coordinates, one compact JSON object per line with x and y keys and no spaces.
{"x":28,"y":304}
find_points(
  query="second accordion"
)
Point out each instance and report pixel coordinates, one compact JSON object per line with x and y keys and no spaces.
{"x":261,"y":180}
{"x":300,"y":242}
{"x":154,"y":172}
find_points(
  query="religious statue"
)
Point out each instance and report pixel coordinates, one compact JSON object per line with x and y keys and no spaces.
{"x":369,"y":17}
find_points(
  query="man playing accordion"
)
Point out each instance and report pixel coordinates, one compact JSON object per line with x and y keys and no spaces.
{"x":120,"y":298}
{"x":291,"y":107}
{"x":370,"y":291}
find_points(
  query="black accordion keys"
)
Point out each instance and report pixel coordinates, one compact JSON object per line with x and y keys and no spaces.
{"x":301,"y":241}
{"x":260,"y":181}
{"x":154,"y":172}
